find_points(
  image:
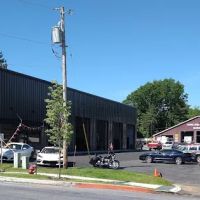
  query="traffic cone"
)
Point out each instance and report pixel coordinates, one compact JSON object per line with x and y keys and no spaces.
{"x":157,"y":173}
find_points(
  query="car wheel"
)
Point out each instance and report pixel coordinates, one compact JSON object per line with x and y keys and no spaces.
{"x":149,"y":159}
{"x":198,"y":159}
{"x":178,"y":160}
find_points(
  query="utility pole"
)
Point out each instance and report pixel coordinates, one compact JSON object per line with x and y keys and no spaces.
{"x":64,"y":77}
{"x":58,"y":37}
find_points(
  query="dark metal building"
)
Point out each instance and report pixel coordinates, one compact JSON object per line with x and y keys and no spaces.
{"x":187,"y":131}
{"x":104,"y":121}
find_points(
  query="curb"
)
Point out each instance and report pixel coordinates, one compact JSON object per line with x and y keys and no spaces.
{"x":113,"y":187}
{"x":114,"y":182}
{"x":105,"y":184}
{"x":169,"y":189}
{"x":35,"y":181}
{"x":123,"y":184}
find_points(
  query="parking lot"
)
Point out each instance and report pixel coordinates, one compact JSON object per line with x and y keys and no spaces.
{"x":186,"y":174}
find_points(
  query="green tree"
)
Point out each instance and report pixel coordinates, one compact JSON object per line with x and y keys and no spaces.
{"x":3,"y":63}
{"x":193,"y":112}
{"x":57,"y":117}
{"x":160,"y":104}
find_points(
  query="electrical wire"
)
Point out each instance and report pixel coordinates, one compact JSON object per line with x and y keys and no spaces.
{"x":22,"y":38}
{"x":27,"y":65}
{"x":30,"y":40}
{"x":55,"y":53}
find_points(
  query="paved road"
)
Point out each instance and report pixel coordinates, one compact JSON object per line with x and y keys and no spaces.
{"x":188,"y":174}
{"x":10,"y":191}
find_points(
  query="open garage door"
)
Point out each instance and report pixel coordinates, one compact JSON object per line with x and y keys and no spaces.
{"x":79,"y":131}
{"x":101,"y":135}
{"x":117,"y":135}
{"x":198,"y":137}
{"x":130,"y":136}
{"x":187,"y":136}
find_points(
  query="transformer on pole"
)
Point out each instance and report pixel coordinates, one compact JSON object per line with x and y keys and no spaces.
{"x":56,"y":36}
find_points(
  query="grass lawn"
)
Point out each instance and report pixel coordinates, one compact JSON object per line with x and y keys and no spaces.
{"x":121,"y":175}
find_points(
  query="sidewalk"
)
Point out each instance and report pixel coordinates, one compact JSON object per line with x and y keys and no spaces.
{"x":103,"y":183}
{"x":188,"y":189}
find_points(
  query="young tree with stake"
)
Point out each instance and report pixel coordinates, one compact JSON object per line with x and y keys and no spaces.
{"x":57,"y":117}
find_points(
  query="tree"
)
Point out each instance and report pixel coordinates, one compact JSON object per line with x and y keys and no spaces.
{"x":194,"y":112}
{"x":57,"y":117}
{"x":160,"y":104}
{"x":3,"y":63}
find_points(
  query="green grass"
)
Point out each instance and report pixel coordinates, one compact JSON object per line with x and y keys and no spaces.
{"x":30,"y":176}
{"x":121,"y":175}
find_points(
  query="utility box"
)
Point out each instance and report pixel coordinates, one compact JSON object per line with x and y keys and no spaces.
{"x":25,"y":162}
{"x":17,"y":160}
{"x":56,"y":35}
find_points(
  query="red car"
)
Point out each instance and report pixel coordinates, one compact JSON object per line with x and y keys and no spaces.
{"x":154,"y":145}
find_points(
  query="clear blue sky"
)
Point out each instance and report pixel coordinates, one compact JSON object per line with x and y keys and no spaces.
{"x":115,"y":46}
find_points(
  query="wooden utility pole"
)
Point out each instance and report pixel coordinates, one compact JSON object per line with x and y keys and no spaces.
{"x":58,"y":37}
{"x":64,"y":77}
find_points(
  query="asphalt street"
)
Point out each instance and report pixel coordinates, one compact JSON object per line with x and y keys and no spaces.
{"x":187,"y":174}
{"x":10,"y":191}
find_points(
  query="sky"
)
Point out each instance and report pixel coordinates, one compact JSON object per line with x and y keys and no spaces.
{"x":114,"y":46}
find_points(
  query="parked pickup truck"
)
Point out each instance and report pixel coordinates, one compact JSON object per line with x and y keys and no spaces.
{"x":154,"y":145}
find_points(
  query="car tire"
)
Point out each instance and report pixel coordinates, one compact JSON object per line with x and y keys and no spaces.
{"x":178,"y":160}
{"x":149,"y":159}
{"x":198,"y":159}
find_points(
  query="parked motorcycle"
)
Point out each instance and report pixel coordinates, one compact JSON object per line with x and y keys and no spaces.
{"x":107,"y":161}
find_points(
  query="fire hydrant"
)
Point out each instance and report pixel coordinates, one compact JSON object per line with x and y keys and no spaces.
{"x":32,"y":169}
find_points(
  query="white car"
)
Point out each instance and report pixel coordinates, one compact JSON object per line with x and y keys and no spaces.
{"x":190,"y":148}
{"x":49,"y":156}
{"x":22,"y":148}
{"x":168,"y":145}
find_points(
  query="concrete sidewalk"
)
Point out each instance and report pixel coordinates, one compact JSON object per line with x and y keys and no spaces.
{"x":190,"y":189}
{"x":103,"y":183}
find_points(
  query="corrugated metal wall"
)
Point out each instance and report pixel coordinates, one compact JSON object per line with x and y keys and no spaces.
{"x":25,"y":95}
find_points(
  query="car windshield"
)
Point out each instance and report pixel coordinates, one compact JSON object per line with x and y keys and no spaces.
{"x":50,"y":150}
{"x":182,"y":148}
{"x":14,"y":146}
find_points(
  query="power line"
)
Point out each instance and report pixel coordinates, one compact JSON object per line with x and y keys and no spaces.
{"x":24,"y":39}
{"x":27,"y":65}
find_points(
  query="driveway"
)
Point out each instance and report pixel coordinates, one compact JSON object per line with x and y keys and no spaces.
{"x":187,"y":174}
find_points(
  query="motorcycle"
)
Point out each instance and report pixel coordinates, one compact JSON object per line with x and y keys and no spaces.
{"x":107,"y":161}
